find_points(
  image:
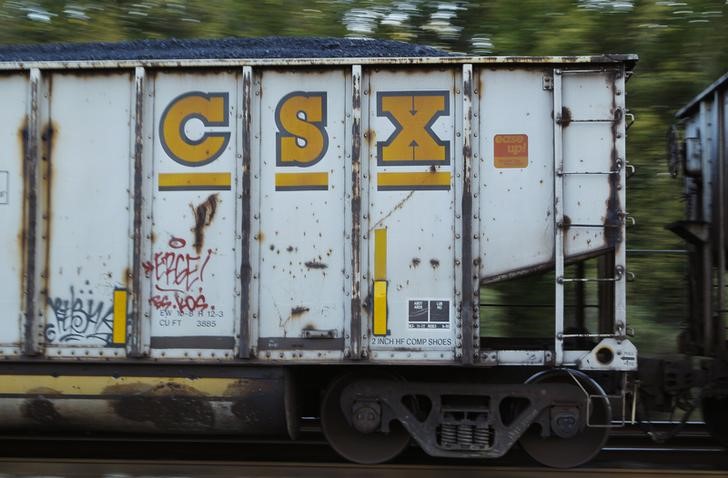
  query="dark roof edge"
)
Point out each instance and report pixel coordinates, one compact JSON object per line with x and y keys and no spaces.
{"x":695,"y":102}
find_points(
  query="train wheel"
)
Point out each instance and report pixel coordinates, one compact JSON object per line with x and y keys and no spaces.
{"x":570,"y":449}
{"x":365,"y":448}
{"x":715,"y":415}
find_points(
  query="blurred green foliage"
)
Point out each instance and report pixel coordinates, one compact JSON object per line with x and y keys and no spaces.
{"x":682,"y":46}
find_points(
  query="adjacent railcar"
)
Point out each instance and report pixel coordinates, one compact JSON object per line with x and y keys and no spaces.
{"x":204,"y":245}
{"x":698,"y":151}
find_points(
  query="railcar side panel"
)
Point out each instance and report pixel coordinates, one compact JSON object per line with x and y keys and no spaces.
{"x":85,"y":205}
{"x":516,"y":192}
{"x":192,"y":270}
{"x":303,"y":261}
{"x":301,"y":214}
{"x":14,"y":93}
{"x":412,"y":148}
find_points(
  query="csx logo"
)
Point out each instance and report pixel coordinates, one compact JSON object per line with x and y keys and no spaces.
{"x":301,"y":139}
{"x":413,"y":141}
{"x":212,"y":110}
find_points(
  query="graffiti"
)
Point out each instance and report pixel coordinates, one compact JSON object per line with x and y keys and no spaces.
{"x":178,"y":277}
{"x":78,"y":317}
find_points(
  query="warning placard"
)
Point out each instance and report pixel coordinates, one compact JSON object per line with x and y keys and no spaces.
{"x":510,"y":150}
{"x":429,"y":314}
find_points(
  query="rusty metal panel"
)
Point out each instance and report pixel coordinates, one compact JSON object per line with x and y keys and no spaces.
{"x":192,"y":270}
{"x":518,"y":175}
{"x":517,"y":187}
{"x":253,"y":402}
{"x":593,"y":105}
{"x":413,"y":146}
{"x":85,"y":185}
{"x":303,"y":261}
{"x":14,"y":139}
{"x":492,"y":61}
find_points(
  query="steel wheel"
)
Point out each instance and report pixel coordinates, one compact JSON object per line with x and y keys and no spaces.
{"x":364,"y":448}
{"x":557,"y":452}
{"x":715,"y":415}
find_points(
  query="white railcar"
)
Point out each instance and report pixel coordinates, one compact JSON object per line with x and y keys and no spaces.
{"x":219,"y":230}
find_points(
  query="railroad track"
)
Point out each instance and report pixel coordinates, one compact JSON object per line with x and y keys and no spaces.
{"x":628,"y":453}
{"x":159,"y":469}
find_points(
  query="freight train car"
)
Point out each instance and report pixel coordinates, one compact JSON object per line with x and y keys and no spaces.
{"x":698,"y":151}
{"x":225,"y":242}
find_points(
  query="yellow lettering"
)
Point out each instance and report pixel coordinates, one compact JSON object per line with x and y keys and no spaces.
{"x":212,"y":110}
{"x":301,"y":120}
{"x":413,"y":114}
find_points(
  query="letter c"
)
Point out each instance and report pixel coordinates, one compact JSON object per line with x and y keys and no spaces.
{"x":212,"y":110}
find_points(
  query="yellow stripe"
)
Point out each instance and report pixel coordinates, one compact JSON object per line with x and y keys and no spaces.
{"x":379,"y":326}
{"x":380,"y":254}
{"x":194,"y":180}
{"x":107,"y":385}
{"x":119,"y":329}
{"x":302,"y":180}
{"x":439,"y":180}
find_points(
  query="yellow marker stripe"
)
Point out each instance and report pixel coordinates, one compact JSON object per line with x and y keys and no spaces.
{"x":379,"y":325}
{"x":380,"y":254}
{"x":399,"y":181}
{"x":100,"y":385}
{"x":195,"y":181}
{"x":302,"y":181}
{"x":119,"y":329}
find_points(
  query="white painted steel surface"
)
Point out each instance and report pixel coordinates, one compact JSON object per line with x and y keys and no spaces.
{"x":303,"y":264}
{"x":418,"y":215}
{"x":13,"y":124}
{"x":192,"y":273}
{"x":195,"y":301}
{"x":89,"y":207}
{"x":516,"y":202}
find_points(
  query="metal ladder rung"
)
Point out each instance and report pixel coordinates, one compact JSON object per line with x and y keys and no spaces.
{"x":597,"y":120}
{"x":619,"y":167}
{"x":568,"y":173}
{"x":590,"y":225}
{"x":619,"y":275}
{"x":599,"y":70}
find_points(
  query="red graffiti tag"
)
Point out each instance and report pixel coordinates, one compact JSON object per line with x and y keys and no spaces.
{"x":175,"y":273}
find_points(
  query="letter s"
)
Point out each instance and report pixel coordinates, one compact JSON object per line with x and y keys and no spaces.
{"x":212,"y":110}
{"x":301,"y":118}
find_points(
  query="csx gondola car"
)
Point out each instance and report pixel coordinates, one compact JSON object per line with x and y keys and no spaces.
{"x":224,"y":243}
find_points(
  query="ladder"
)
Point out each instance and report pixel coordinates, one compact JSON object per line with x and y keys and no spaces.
{"x":561,"y":175}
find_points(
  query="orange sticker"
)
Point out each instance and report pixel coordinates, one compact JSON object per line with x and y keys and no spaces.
{"x":510,"y":150}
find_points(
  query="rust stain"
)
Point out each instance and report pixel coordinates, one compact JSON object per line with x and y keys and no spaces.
{"x":396,"y":207}
{"x":23,"y":232}
{"x":49,"y":132}
{"x":127,"y":276}
{"x":415,"y":261}
{"x":204,"y":214}
{"x":566,"y":222}
{"x":434,"y":263}
{"x":169,"y":406}
{"x":260,"y":237}
{"x":41,"y":410}
{"x":371,"y":137}
{"x":612,"y":219}
{"x":565,"y":120}
{"x":298,"y":311}
{"x":315,"y":265}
